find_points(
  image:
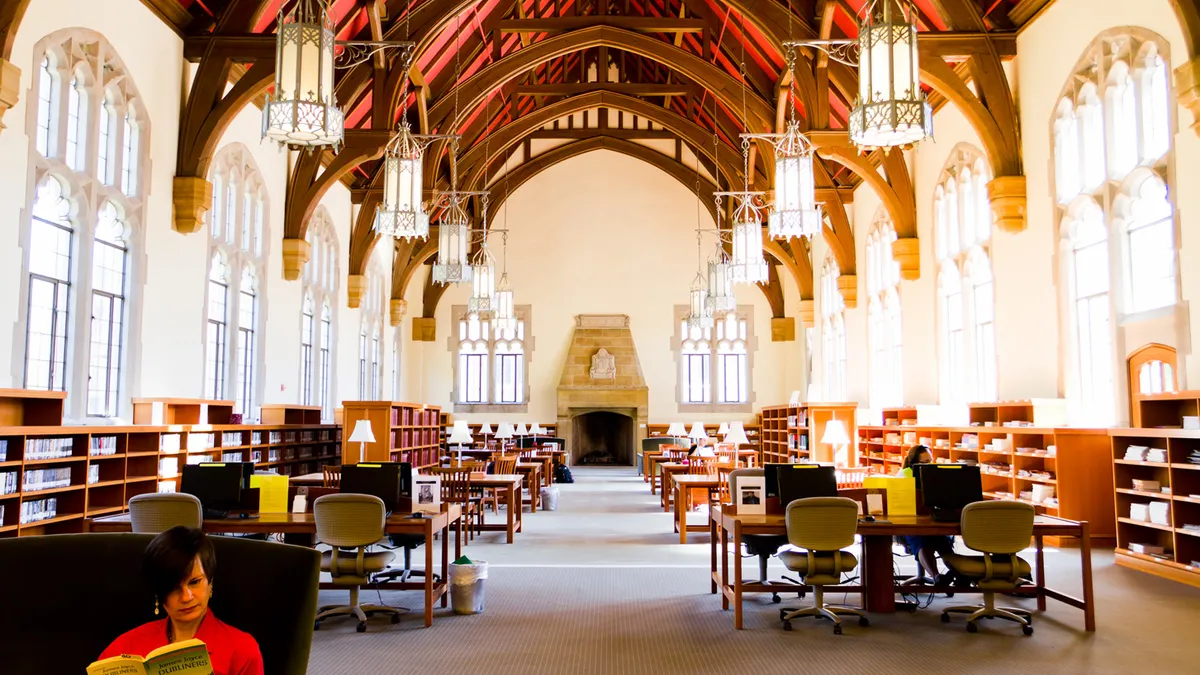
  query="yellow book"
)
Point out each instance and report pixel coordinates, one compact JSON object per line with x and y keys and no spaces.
{"x":901,"y":493}
{"x":189,"y":657}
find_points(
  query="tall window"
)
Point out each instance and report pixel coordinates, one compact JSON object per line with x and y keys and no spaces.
{"x":370,"y":360}
{"x":714,"y":363}
{"x":491,"y":361}
{"x":883,"y":315}
{"x":966,"y":299}
{"x":1112,"y":169}
{"x":108,"y":312}
{"x":833,"y":331}
{"x":234,"y":223}
{"x":77,"y":78}
{"x":308,"y":322}
{"x":321,"y":289}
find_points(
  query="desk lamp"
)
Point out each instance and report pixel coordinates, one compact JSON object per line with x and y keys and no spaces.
{"x":521,"y":431}
{"x":676,"y":431}
{"x":503,"y":433}
{"x":723,"y":430}
{"x":362,"y":435}
{"x":460,"y":434}
{"x":485,"y":431}
{"x":737,"y":435}
{"x":835,"y":435}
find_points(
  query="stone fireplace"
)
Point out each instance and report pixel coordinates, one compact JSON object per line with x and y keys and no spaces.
{"x":603,"y":400}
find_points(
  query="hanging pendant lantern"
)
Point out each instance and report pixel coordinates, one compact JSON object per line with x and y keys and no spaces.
{"x":454,"y":235}
{"x":795,"y":212}
{"x":482,"y":302}
{"x":303,"y":110}
{"x":505,"y":315}
{"x":699,"y":313}
{"x":402,"y":214}
{"x":748,"y":265}
{"x":891,"y":109}
{"x":720,"y":284}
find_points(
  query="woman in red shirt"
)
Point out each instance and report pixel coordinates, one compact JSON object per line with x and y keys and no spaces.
{"x":180,"y":564}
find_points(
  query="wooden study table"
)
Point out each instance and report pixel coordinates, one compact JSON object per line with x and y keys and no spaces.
{"x":532,"y":471}
{"x":306,"y":524}
{"x":511,"y":484}
{"x":683,"y":485}
{"x":878,"y":588}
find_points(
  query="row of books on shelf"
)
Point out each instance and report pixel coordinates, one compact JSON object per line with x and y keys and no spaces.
{"x":47,"y":479}
{"x":1147,"y":485}
{"x":1141,"y":453}
{"x":38,"y":510}
{"x":8,"y":483}
{"x":103,"y":445}
{"x":48,"y":448}
{"x":797,"y":442}
{"x":1045,"y":497}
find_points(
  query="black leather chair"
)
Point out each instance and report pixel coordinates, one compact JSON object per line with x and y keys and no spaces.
{"x":268,"y":590}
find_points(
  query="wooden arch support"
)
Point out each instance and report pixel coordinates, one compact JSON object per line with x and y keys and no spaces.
{"x":1187,"y":76}
{"x":11,"y":13}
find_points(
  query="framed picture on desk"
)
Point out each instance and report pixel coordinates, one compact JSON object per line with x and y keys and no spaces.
{"x":427,"y":494}
{"x":751,"y":495}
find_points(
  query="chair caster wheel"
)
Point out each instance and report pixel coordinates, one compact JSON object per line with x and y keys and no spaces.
{"x":316,"y":625}
{"x":787,"y":625}
{"x":837,"y":629}
{"x":972,"y":628}
{"x":1028,"y":630}
{"x":395,"y":618}
{"x":775,"y":598}
{"x":864,"y":621}
{"x":783,"y":615}
{"x":361,"y":627}
{"x":945,"y":616}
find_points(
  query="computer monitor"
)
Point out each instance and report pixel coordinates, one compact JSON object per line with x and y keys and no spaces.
{"x":217,"y":485}
{"x":800,"y":481}
{"x":387,"y":480}
{"x":947,"y":488}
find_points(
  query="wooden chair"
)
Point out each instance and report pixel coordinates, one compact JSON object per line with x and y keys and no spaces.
{"x":333,"y":476}
{"x":456,"y":488}
{"x":501,"y":464}
{"x":727,"y":454}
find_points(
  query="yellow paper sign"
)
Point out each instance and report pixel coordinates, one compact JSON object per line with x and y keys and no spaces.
{"x":272,"y":492}
{"x":901,"y":493}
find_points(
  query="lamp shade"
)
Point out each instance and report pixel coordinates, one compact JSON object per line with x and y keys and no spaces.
{"x":537,"y":429}
{"x":401,"y":214}
{"x":303,"y":110}
{"x":677,"y":430}
{"x":485,"y":429}
{"x":460,"y":434}
{"x":835,"y":433}
{"x":737,"y":435}
{"x":891,"y":109}
{"x":723,"y":430}
{"x":504,"y":431}
{"x":522,"y":430}
{"x":697,"y":431}
{"x":362,"y":432}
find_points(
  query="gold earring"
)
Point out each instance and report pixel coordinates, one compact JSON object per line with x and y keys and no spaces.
{"x":156,"y":607}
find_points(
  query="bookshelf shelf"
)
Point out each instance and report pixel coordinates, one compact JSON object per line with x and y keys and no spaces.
{"x":1142,"y":523}
{"x":405,"y":432}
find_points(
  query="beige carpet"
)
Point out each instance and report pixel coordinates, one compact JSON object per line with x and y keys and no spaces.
{"x":603,"y":586}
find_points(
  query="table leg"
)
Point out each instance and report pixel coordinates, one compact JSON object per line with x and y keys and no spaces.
{"x":534,"y":482}
{"x":724,"y":566}
{"x":1040,"y":558}
{"x":877,"y":573}
{"x":445,"y":563}
{"x":712,"y":563}
{"x":458,"y":544}
{"x":737,"y":575}
{"x":428,"y":572}
{"x":512,"y":499}
{"x":666,"y":491}
{"x":1085,"y":555}
{"x":680,"y":515}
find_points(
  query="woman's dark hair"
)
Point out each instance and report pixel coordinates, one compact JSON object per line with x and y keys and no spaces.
{"x":169,"y":558}
{"x":914,"y":454}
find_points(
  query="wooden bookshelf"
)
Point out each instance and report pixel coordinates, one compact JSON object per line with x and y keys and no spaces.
{"x":181,"y":411}
{"x":29,"y":408}
{"x":792,"y":432}
{"x":447,"y":421}
{"x":1165,"y":411}
{"x":1039,"y":412}
{"x":404,"y":432}
{"x":753,"y":434}
{"x":286,"y":413}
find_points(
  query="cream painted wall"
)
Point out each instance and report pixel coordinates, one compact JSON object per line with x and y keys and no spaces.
{"x":602,"y":233}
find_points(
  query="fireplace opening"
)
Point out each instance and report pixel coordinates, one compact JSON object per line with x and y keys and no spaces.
{"x":602,"y":438}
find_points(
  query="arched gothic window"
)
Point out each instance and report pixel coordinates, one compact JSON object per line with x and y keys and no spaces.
{"x":833,"y":331}
{"x":884,"y":330}
{"x":321,"y":288}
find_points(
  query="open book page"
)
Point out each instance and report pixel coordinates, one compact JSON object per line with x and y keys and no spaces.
{"x":189,"y":657}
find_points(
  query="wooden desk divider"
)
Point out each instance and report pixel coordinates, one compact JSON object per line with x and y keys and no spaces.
{"x":91,"y":471}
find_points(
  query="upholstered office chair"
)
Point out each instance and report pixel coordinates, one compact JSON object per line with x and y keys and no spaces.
{"x":762,"y":545}
{"x":352,"y":521}
{"x":157,"y":512}
{"x":823,"y":526}
{"x":999,"y":530}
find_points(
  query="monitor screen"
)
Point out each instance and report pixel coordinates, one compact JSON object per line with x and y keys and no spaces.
{"x":386,"y":480}
{"x":217,"y":485}
{"x":800,"y":481}
{"x":949,"y":487}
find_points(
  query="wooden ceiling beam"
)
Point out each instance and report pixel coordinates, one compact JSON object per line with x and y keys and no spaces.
{"x":627,"y":88}
{"x":565,"y":24}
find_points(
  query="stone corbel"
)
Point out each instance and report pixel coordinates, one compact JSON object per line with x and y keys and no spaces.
{"x":907,"y":252}
{"x":10,"y":87}
{"x":192,"y":198}
{"x":399,"y":308}
{"x":295,"y":254}
{"x":424,"y":329}
{"x":356,"y":285}
{"x":1187,"y":85}
{"x":848,"y":287}
{"x":807,"y":313}
{"x":783,"y":329}
{"x":1007,"y":196}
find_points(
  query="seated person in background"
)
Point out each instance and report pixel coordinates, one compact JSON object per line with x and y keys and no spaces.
{"x":179,"y":565}
{"x":923,"y":547}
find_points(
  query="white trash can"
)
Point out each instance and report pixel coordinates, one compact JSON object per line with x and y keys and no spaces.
{"x":466,"y":587}
{"x":550,"y":498}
